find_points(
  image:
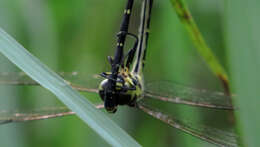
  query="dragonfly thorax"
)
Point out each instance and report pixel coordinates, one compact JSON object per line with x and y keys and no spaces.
{"x":127,"y":89}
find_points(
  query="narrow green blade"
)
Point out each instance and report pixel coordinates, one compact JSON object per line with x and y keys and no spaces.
{"x":243,"y":44}
{"x":198,"y":40}
{"x":97,"y":120}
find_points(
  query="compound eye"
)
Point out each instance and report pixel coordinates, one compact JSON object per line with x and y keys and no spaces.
{"x":103,"y":84}
{"x":101,"y":89}
{"x":110,"y":103}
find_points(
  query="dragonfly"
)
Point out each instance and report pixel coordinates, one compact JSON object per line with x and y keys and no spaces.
{"x":124,"y":87}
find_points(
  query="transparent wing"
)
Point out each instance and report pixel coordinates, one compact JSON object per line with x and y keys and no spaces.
{"x":39,"y":114}
{"x":211,"y":135}
{"x":175,"y":93}
{"x":79,"y":81}
{"x":163,"y":90}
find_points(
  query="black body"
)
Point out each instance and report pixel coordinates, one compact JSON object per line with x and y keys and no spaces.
{"x":110,"y":101}
{"x":121,"y":87}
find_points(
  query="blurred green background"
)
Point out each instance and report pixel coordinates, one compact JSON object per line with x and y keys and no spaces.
{"x":78,"y":36}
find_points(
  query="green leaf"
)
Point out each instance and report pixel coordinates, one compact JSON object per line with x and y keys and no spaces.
{"x":96,"y":119}
{"x":243,"y":44}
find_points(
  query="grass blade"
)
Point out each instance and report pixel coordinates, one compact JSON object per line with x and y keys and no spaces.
{"x":98,"y":121}
{"x":243,"y":46}
{"x":199,"y":42}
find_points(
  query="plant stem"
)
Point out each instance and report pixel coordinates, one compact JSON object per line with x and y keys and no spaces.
{"x":199,"y":42}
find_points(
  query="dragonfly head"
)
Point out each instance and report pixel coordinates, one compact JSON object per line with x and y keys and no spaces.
{"x":125,"y":92}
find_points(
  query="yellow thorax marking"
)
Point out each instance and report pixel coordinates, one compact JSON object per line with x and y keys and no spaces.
{"x":126,"y":75}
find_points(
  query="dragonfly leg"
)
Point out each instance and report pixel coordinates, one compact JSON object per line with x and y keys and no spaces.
{"x":131,"y":52}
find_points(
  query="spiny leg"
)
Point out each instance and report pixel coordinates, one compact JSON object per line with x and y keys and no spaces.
{"x":131,"y":52}
{"x":147,"y":29}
